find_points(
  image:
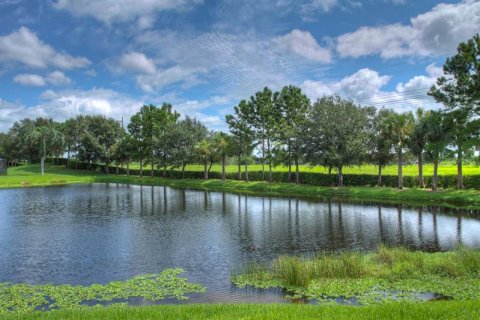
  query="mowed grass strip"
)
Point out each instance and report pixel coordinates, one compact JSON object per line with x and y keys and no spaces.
{"x":432,"y":310}
{"x":29,"y":176}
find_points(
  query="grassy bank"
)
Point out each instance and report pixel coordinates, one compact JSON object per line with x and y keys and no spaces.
{"x":434,"y":310}
{"x":390,"y":274}
{"x":28,"y":176}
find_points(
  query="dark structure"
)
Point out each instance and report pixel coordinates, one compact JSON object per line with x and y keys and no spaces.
{"x":3,"y":167}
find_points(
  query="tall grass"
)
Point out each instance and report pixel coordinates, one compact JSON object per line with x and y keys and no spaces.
{"x":385,"y":263}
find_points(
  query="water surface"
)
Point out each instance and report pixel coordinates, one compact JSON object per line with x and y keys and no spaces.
{"x":84,"y":234}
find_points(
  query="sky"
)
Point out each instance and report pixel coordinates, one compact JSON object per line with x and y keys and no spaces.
{"x":62,"y":58}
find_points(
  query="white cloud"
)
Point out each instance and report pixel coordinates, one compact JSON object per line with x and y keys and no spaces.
{"x":55,"y":78}
{"x":366,"y":88}
{"x":136,"y":62}
{"x":30,"y":80}
{"x":58,"y":78}
{"x":303,"y":44}
{"x":319,"y":5}
{"x":23,"y":46}
{"x":121,"y":10}
{"x":436,"y":32}
{"x":169,"y":76}
{"x":363,"y":84}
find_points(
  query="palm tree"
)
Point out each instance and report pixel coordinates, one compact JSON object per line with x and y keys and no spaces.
{"x":401,"y":126}
{"x":221,"y":145}
{"x":417,"y":141}
{"x":45,"y":137}
{"x":204,"y":151}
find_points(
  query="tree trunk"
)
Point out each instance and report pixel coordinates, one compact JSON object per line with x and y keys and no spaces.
{"x":269,"y":161}
{"x":223,"y":167}
{"x":400,"y":168}
{"x":165,"y":171}
{"x":435,"y":175}
{"x":116,"y":169}
{"x":151,"y":169}
{"x":128,"y":167}
{"x":183,"y":170}
{"x":297,"y":172}
{"x":68,"y":157}
{"x":205,"y":170}
{"x":459,"y":168}
{"x":239,"y":174}
{"x":246,"y":170}
{"x":210,"y":167}
{"x":289,"y":172}
{"x":42,"y":165}
{"x":421,"y":182}
{"x":141,"y":167}
{"x":263,"y":159}
{"x":340,"y":176}
{"x":329,"y":170}
{"x":106,"y":168}
{"x":379,"y":175}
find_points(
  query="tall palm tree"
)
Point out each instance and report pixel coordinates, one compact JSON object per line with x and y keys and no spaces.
{"x":204,"y":151}
{"x":401,"y":126}
{"x":45,"y":137}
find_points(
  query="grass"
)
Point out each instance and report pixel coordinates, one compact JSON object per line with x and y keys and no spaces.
{"x":387,"y":275}
{"x":28,"y":176}
{"x":408,"y":170}
{"x":434,"y":310}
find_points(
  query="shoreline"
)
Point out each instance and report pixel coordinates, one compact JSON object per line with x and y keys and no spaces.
{"x":451,"y":198}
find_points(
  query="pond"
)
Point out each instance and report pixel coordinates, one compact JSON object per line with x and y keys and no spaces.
{"x":98,"y":233}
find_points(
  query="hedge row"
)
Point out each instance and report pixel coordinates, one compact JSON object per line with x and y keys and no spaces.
{"x":310,"y":178}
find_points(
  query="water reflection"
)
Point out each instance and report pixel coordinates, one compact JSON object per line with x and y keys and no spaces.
{"x":104,"y":232}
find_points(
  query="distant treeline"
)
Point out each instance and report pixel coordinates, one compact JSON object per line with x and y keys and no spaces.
{"x":282,"y":128}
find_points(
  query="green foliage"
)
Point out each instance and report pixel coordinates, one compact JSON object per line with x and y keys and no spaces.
{"x":19,"y":298}
{"x":386,"y":275}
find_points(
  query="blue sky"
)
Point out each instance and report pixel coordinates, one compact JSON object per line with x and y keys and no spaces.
{"x":67,"y":57}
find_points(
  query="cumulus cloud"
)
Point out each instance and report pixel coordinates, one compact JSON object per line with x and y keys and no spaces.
{"x":360,"y":85}
{"x":55,"y":78}
{"x":30,"y":80}
{"x":436,"y":32}
{"x":303,"y":44}
{"x":58,"y":78}
{"x":136,"y":62}
{"x":121,"y":10}
{"x":23,"y":46}
{"x":366,"y":88}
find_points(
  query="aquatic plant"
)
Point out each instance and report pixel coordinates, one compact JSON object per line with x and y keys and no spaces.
{"x":385,"y":275}
{"x":153,"y":287}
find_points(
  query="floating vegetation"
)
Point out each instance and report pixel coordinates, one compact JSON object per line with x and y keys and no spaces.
{"x":153,"y":287}
{"x":390,"y":274}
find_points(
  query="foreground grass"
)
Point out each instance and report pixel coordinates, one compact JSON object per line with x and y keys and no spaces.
{"x":390,"y":274}
{"x":433,"y":310}
{"x":28,"y":176}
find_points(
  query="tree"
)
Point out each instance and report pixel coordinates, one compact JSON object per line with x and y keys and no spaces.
{"x":417,"y":141}
{"x":437,"y":140}
{"x":164,"y":121}
{"x":221,"y":147}
{"x":184,"y":137}
{"x":97,"y":139}
{"x":264,"y":117}
{"x":380,"y":141}
{"x":335,"y":134}
{"x":459,"y":92}
{"x":460,"y":87}
{"x":204,"y":151}
{"x":46,"y":138}
{"x":401,"y":126}
{"x":293,"y":106}
{"x":242,"y":134}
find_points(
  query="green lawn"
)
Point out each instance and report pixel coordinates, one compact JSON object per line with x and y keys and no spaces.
{"x":408,"y":170}
{"x":29,"y":176}
{"x":438,"y":310}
